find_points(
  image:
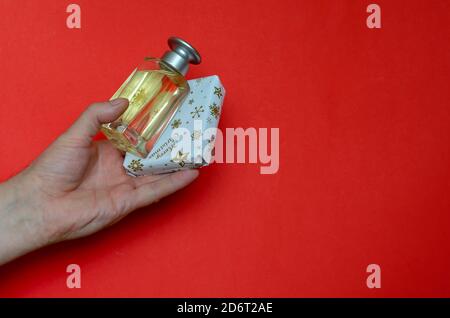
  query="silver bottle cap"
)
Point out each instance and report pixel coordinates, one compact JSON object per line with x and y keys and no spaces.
{"x":181,"y":55}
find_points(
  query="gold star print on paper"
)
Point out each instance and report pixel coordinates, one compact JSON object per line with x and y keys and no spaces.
{"x":181,"y":158}
{"x":214,"y":110}
{"x":176,"y":123}
{"x":218,"y":91}
{"x":137,"y":97}
{"x":196,"y":112}
{"x":196,"y":134}
{"x":135,"y":165}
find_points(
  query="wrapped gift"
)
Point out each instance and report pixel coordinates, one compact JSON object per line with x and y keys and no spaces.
{"x":188,"y":140}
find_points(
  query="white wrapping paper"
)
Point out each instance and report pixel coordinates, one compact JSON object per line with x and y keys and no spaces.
{"x":188,"y":140}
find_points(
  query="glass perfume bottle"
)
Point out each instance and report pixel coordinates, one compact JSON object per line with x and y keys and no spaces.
{"x":155,"y":90}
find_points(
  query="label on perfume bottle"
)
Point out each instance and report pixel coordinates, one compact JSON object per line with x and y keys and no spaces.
{"x":188,"y":140}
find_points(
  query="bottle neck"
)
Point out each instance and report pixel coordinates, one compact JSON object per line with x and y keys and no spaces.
{"x":176,"y":62}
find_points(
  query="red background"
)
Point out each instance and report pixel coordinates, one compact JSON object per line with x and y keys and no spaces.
{"x":364,"y":146}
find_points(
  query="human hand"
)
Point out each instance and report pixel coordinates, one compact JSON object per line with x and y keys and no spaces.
{"x":75,"y":188}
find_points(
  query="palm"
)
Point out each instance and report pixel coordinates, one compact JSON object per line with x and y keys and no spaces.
{"x":87,"y":186}
{"x":83,"y":185}
{"x":104,"y":168}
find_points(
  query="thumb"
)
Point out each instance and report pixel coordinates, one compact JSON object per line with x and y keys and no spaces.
{"x":88,"y":124}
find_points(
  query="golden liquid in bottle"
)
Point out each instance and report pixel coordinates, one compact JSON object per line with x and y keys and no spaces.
{"x":154,"y":96}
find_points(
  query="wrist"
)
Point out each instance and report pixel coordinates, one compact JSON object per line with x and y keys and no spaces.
{"x":20,"y":218}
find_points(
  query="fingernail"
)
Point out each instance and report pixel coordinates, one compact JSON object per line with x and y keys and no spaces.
{"x":118,"y":102}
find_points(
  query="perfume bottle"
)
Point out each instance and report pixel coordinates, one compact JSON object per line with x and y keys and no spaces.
{"x":155,"y":90}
